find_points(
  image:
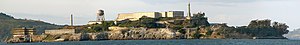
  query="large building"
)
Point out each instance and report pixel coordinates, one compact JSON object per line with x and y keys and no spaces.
{"x":137,"y":15}
{"x":23,"y":33}
{"x":20,"y":32}
{"x":172,"y":14}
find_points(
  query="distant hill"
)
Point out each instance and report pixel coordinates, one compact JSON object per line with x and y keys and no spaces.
{"x":8,"y":22}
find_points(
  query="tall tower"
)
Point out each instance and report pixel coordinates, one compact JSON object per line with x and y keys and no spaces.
{"x":72,"y":21}
{"x":100,"y":16}
{"x":189,"y":10}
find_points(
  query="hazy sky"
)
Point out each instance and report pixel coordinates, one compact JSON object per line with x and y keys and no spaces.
{"x":233,"y":12}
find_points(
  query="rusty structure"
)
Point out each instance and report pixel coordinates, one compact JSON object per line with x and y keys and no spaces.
{"x":23,"y":33}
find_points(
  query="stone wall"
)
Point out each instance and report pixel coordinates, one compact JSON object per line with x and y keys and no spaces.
{"x":60,"y":31}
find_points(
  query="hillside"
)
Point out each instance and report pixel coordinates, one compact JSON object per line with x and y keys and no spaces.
{"x":8,"y":22}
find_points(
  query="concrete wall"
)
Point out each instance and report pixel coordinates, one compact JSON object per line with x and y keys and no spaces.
{"x":178,"y":13}
{"x":60,"y":31}
{"x":137,"y":15}
{"x":172,"y":14}
{"x":148,"y":14}
{"x":129,"y":16}
{"x":164,"y":14}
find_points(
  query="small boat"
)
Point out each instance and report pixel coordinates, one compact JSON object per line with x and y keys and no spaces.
{"x":253,"y":37}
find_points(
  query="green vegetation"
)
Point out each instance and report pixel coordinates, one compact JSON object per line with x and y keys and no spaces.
{"x":143,"y":22}
{"x":147,"y":22}
{"x":263,"y":29}
{"x":8,"y":22}
{"x":52,"y":37}
{"x":98,"y":27}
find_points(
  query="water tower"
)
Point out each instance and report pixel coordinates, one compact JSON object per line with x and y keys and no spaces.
{"x":100,"y":16}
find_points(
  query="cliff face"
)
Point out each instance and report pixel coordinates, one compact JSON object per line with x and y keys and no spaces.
{"x":142,"y":33}
{"x":132,"y":34}
{"x":198,"y":28}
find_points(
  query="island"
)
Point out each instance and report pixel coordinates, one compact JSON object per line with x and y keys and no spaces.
{"x":138,"y":26}
{"x":162,"y":25}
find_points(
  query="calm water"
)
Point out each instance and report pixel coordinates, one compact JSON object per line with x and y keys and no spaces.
{"x":174,"y":42}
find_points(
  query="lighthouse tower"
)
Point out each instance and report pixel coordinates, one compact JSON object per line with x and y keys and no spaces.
{"x":189,"y":15}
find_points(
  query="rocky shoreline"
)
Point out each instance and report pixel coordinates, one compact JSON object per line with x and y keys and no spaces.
{"x":136,"y":34}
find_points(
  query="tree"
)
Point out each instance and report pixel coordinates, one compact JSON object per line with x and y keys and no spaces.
{"x":199,"y":14}
{"x":281,"y":27}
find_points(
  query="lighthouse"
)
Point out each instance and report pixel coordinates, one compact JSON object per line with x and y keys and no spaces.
{"x":189,"y":15}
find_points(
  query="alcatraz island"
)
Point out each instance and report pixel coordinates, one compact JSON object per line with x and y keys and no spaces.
{"x":140,"y":26}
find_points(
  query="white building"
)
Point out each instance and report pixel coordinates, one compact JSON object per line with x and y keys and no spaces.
{"x":137,"y":15}
{"x":172,"y":14}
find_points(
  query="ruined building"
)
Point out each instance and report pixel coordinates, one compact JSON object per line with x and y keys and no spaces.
{"x":23,"y":34}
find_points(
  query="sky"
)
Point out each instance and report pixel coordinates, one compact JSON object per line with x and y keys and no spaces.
{"x":232,"y":12}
